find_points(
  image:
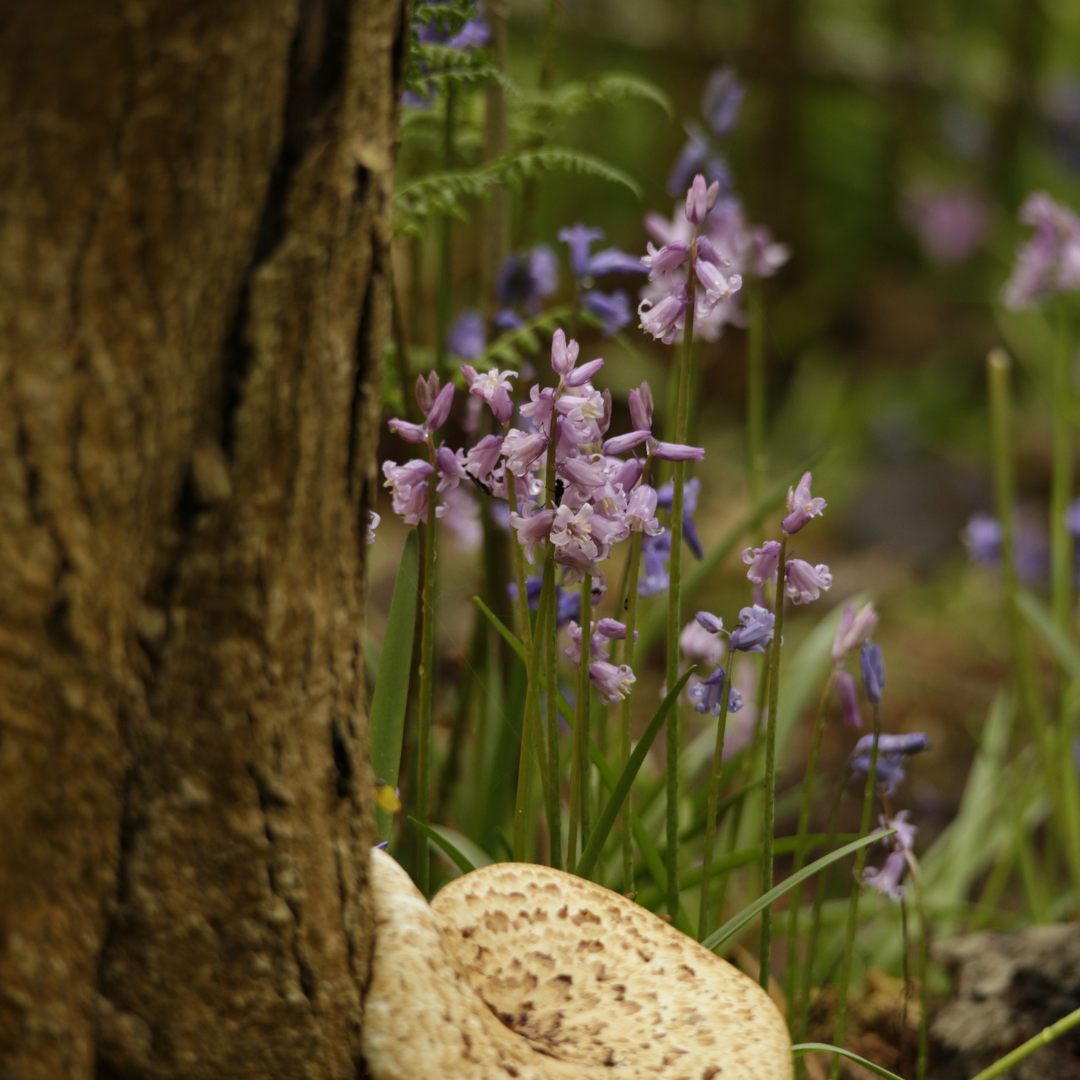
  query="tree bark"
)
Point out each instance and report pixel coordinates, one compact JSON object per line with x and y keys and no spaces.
{"x":194,"y":229}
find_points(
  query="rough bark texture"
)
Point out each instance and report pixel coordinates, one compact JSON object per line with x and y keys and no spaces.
{"x":194,"y":222}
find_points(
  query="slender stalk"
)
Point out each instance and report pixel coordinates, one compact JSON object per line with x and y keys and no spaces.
{"x":427,"y":664}
{"x":401,"y":345}
{"x":998,"y":367}
{"x":770,"y":768}
{"x":443,"y":296}
{"x":905,"y":974}
{"x":755,"y":389}
{"x":815,"y":924}
{"x":924,"y":966}
{"x":1036,"y":1042}
{"x":682,"y":407}
{"x":853,"y":907}
{"x":791,"y":959}
{"x":711,"y":800}
{"x":1061,"y":489}
{"x":579,"y":761}
{"x":625,"y":706}
{"x":551,"y":661}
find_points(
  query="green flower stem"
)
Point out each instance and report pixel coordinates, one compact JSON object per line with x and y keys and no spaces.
{"x":401,"y":345}
{"x":924,"y":967}
{"x":770,"y":768}
{"x":682,"y":408}
{"x":755,"y":389}
{"x":1061,"y":489}
{"x":999,"y":367}
{"x":815,"y":923}
{"x":551,"y":661}
{"x":579,"y":760}
{"x":443,"y":297}
{"x":856,"y":886}
{"x":625,"y":706}
{"x":791,"y":961}
{"x":427,"y":682}
{"x":1037,"y":1042}
{"x":712,"y":799}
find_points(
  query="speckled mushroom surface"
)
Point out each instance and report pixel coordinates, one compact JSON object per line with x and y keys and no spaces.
{"x":551,"y":976}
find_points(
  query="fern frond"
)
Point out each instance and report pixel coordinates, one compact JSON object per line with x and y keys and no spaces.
{"x":433,"y":67}
{"x":608,"y":89}
{"x":508,"y":348}
{"x":443,"y":192}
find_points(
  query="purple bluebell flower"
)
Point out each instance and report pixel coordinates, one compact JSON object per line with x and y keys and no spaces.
{"x":720,"y":104}
{"x":801,"y":506}
{"x":755,"y":631}
{"x":373,"y":522}
{"x":873,"y":672}
{"x":567,"y":602}
{"x":982,"y":537}
{"x":1049,"y":263}
{"x":849,"y":699}
{"x":804,"y":582}
{"x":408,"y":486}
{"x":493,"y":388}
{"x":466,"y":337}
{"x":612,"y":683}
{"x":852,"y":631}
{"x":706,"y":694}
{"x":721,"y":101}
{"x":708,"y":621}
{"x":612,"y":309}
{"x":470,"y":35}
{"x":892,"y":752}
{"x":655,"y":554}
{"x":764,"y":562}
{"x":382,"y":845}
{"x":700,"y":199}
{"x":691,"y":491}
{"x":887,"y":879}
{"x":700,"y":644}
{"x":525,"y":279}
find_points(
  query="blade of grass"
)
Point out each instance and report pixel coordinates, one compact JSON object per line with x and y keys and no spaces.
{"x":734,"y":924}
{"x":386,"y":726}
{"x":1047,"y":1035}
{"x":441,"y":841}
{"x":824,"y":1048}
{"x":626,"y":778}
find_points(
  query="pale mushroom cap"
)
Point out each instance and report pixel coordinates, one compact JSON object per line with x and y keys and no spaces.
{"x":590,"y":978}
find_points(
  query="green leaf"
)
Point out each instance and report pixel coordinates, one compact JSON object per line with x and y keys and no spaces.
{"x":610,"y":88}
{"x":387,"y":723}
{"x":508,"y":635}
{"x":736,"y":923}
{"x":443,"y":192}
{"x":436,"y":838}
{"x":744,"y":856}
{"x":1037,"y":614}
{"x":813,"y":1048}
{"x":607,"y":817}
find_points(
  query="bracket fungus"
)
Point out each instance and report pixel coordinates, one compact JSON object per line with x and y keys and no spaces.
{"x":523,"y":971}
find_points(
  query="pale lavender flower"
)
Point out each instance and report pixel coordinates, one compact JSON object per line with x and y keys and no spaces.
{"x":721,"y":100}
{"x":700,"y":199}
{"x":764,"y":562}
{"x":663,"y":319}
{"x":564,"y":354}
{"x":853,"y":631}
{"x":709,"y":622}
{"x":451,"y":471}
{"x":580,"y":376}
{"x":409,"y":489}
{"x":801,"y":506}
{"x":1049,"y":263}
{"x":612,"y":683}
{"x":755,"y":631}
{"x":467,"y":337}
{"x":982,"y":537}
{"x":849,"y":699}
{"x":873,"y":672}
{"x":492,"y":387}
{"x":655,"y":554}
{"x":373,"y":521}
{"x":950,"y":223}
{"x":612,"y":309}
{"x":641,"y":511}
{"x":887,"y":879}
{"x":532,"y":528}
{"x":804,"y":582}
{"x":641,"y":408}
{"x":520,"y":450}
{"x":481,"y":461}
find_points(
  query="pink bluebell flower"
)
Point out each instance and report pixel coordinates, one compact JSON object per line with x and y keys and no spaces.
{"x":492,"y":387}
{"x":1049,"y":263}
{"x":373,"y":522}
{"x":612,"y":683}
{"x":409,"y":489}
{"x":764,"y":562}
{"x":852,"y":631}
{"x":532,"y":528}
{"x":849,"y":698}
{"x":887,"y":879}
{"x":804,"y":582}
{"x":801,"y":506}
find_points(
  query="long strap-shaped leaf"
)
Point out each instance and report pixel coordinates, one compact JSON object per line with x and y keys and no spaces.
{"x":824,"y":1048}
{"x":1039,"y":616}
{"x":466,"y":866}
{"x":622,"y":786}
{"x":1047,"y":1035}
{"x":387,"y":723}
{"x":733,"y":925}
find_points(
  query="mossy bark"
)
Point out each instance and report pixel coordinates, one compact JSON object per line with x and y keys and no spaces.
{"x":194,"y":228}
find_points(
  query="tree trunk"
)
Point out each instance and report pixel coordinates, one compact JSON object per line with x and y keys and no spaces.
{"x":194,"y":227}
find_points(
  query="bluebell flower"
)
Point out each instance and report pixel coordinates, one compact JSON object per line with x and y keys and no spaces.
{"x":706,"y":695}
{"x":655,"y":555}
{"x":873,"y":672}
{"x":720,"y":104}
{"x":524,"y":280}
{"x":473,"y":34}
{"x":613,"y":309}
{"x":755,"y":631}
{"x":892,"y":752}
{"x":466,"y":337}
{"x":567,"y":602}
{"x":691,"y":491}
